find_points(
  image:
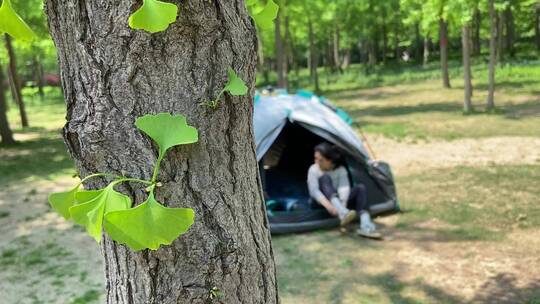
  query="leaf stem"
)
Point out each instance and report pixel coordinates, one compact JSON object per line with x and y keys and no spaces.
{"x":121,"y":180}
{"x":98,"y":174}
{"x":156,"y":168}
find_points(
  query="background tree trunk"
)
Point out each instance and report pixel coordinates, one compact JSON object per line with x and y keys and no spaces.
{"x":500,"y":22}
{"x":426,"y":52}
{"x":335,"y":49}
{"x":281,"y":61}
{"x":465,"y":41}
{"x":5,"y":132}
{"x":537,"y":26}
{"x":477,"y":43}
{"x":16,"y":84}
{"x":510,"y":31}
{"x":313,"y":57}
{"x":492,"y":54}
{"x":111,"y":75}
{"x":443,"y":42}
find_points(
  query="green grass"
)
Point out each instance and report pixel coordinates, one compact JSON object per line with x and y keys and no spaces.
{"x":484,"y":202}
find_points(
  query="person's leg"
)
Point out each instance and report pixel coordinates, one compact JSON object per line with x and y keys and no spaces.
{"x":327,"y":188}
{"x":358,"y":200}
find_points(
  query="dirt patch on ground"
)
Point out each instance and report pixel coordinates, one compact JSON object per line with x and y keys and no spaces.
{"x":408,"y":157}
{"x":481,"y":272}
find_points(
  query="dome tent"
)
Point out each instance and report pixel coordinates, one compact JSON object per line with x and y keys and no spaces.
{"x":287,"y":128}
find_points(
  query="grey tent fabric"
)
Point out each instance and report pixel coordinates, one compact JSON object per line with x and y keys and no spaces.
{"x":272,"y":113}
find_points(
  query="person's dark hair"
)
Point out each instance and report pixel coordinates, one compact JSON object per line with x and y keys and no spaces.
{"x":329,"y":152}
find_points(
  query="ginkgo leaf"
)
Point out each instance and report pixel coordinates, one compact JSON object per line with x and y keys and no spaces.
{"x":153,"y":16}
{"x":93,"y":204}
{"x":167,"y":130}
{"x":62,"y":201}
{"x":148,"y":225}
{"x":265,"y":18}
{"x":236,"y":86}
{"x":12,"y":23}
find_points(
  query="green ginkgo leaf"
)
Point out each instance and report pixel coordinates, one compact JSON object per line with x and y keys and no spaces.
{"x":167,"y":130}
{"x":62,"y":201}
{"x":153,"y":16}
{"x":265,"y":18}
{"x":91,"y":206}
{"x":236,"y":86}
{"x":148,"y":225}
{"x":12,"y":23}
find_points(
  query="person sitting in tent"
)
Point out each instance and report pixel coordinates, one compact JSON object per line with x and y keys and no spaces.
{"x":328,"y":184}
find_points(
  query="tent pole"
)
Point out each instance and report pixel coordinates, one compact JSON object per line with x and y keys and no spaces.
{"x":364,"y":138}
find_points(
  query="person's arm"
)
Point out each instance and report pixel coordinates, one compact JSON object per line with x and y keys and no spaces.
{"x":315,"y":192}
{"x":344,"y":187}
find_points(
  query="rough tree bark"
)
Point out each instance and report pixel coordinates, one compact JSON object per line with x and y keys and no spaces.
{"x":443,"y":42}
{"x":111,"y":75}
{"x":281,"y":61}
{"x":15,"y":83}
{"x":5,"y":132}
{"x":492,"y":54}
{"x":465,"y":42}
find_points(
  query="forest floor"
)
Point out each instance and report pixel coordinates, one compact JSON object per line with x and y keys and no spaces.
{"x":468,"y":188}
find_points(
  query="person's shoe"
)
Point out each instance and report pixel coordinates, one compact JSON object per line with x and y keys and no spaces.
{"x":368,"y":233}
{"x":348,"y":218}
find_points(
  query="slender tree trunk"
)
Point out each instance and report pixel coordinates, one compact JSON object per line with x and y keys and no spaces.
{"x":465,"y":41}
{"x":335,"y":49}
{"x":289,"y":50}
{"x":510,"y":31}
{"x":286,"y":53}
{"x":313,"y":56}
{"x":112,"y":74}
{"x":5,"y":132}
{"x":280,"y":55}
{"x":492,"y":54}
{"x":443,"y":37}
{"x":396,"y":42}
{"x":477,"y":44}
{"x":537,"y":26}
{"x":426,"y":51}
{"x":38,"y":77}
{"x":417,"y":43}
{"x":500,"y":22}
{"x":346,"y":59}
{"x":384,"y":29}
{"x":16,"y":85}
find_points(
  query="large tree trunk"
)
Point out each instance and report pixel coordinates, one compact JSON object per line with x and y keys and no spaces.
{"x":346,"y":59}
{"x":313,"y":57}
{"x":5,"y":132}
{"x":15,"y":83}
{"x":281,"y":61}
{"x":492,"y":54}
{"x":112,"y":74}
{"x":443,"y":42}
{"x":465,"y":41}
